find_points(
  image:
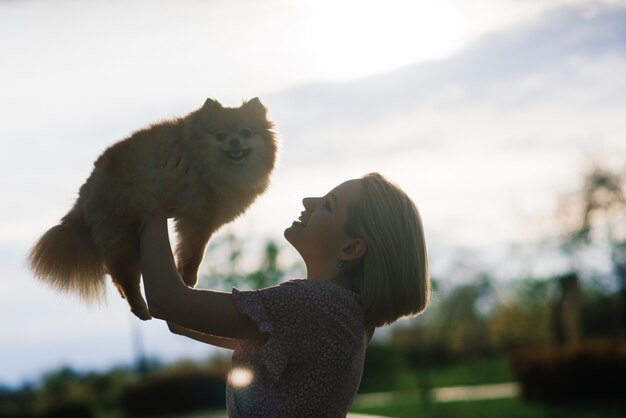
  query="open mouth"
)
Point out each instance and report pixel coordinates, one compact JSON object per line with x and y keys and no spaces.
{"x":238,"y":155}
{"x":299,"y":222}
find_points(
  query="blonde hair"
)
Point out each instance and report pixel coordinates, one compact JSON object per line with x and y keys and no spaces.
{"x":392,"y":276}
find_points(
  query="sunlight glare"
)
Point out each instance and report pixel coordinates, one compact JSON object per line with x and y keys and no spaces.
{"x":240,"y":377}
{"x":359,"y":38}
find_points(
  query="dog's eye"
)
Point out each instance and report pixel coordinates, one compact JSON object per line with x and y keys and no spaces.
{"x":221,"y":136}
{"x":245,"y":133}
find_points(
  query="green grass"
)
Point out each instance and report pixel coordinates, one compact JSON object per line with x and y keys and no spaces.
{"x":474,"y":372}
{"x":460,"y":373}
{"x":209,"y":413}
{"x":469,"y":373}
{"x":408,"y":407}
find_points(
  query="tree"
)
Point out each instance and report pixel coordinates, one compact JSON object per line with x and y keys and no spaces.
{"x":226,"y":271}
{"x":595,"y":216}
{"x":522,"y":315}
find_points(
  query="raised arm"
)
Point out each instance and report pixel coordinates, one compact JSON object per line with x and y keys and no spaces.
{"x":204,"y":311}
{"x":205,"y":338}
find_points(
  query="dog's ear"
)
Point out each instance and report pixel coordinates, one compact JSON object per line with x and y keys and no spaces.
{"x":211,"y":106}
{"x":256,"y":106}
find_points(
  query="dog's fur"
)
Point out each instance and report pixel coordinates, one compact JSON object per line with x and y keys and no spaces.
{"x":230,"y":153}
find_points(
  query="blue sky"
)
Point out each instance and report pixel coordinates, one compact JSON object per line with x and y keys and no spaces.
{"x":484,"y":112}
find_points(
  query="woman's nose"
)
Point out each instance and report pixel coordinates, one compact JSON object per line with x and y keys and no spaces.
{"x":307,"y":202}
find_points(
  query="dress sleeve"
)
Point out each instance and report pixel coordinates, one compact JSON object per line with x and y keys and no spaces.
{"x":292,"y":314}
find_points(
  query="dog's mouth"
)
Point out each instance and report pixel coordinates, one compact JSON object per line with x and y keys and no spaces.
{"x":237,"y":155}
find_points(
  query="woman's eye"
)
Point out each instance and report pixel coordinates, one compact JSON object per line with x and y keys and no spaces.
{"x":245,"y":133}
{"x":221,"y":136}
{"x":327,"y":204}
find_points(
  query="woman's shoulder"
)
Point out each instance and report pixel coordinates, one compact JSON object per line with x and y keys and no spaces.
{"x":323,"y":289}
{"x":319,"y":296}
{"x":308,"y":299}
{"x":318,"y":284}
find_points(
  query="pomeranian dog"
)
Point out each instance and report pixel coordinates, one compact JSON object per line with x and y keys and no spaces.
{"x":230,"y":153}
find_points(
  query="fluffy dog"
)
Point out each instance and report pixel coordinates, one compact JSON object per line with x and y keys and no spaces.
{"x":230,"y":153}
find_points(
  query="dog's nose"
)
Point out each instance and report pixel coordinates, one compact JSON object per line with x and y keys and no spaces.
{"x":235,"y":143}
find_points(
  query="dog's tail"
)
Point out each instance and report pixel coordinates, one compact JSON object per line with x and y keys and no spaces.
{"x":65,"y":258}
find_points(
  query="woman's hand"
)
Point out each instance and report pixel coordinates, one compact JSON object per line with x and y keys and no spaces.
{"x":169,"y":298}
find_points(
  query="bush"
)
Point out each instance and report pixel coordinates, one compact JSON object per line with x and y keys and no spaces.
{"x":18,"y":403}
{"x":174,"y":393}
{"x":583,"y":372}
{"x":387,"y":367}
{"x":69,"y":410}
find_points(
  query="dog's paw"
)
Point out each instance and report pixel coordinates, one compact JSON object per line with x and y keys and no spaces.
{"x":142,"y":314}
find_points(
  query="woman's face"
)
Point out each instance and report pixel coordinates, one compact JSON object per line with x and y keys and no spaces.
{"x":318,"y":233}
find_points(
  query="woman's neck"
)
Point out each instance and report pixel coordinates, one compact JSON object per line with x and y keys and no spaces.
{"x":331,"y":274}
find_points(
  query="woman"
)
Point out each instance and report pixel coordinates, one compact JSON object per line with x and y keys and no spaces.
{"x":299,"y":347}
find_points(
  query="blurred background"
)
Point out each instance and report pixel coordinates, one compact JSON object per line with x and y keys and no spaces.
{"x":504,"y":120}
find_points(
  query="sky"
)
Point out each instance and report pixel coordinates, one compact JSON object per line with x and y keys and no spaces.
{"x":484,"y":112}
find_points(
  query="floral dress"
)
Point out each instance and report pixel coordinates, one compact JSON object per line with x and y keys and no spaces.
{"x":311,"y":363}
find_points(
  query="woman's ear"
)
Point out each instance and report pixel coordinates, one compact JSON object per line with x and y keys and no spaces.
{"x":354,"y":250}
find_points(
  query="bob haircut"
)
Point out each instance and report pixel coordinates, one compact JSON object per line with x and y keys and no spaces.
{"x":392,"y":276}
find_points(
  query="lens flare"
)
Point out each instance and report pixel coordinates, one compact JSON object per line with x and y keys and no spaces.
{"x":240,"y":377}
